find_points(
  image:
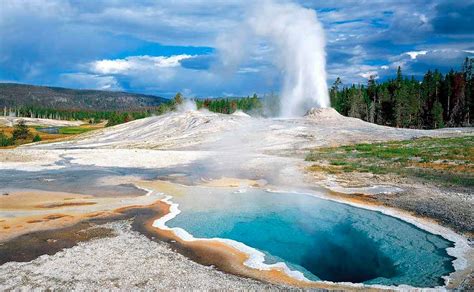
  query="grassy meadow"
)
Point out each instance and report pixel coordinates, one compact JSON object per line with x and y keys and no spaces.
{"x":448,"y":161}
{"x":64,"y":133}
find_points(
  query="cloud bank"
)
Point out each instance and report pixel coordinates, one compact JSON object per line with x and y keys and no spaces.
{"x":56,"y":42}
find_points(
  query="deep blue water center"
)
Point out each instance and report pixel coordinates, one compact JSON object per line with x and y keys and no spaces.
{"x":325,"y":240}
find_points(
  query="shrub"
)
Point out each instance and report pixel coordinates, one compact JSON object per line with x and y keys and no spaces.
{"x":4,"y":140}
{"x":21,"y":131}
{"x":36,"y":138}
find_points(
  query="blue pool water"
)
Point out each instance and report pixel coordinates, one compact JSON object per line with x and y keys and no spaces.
{"x":49,"y":130}
{"x":323,"y":239}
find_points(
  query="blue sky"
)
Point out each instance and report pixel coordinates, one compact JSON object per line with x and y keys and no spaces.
{"x":161,"y":47}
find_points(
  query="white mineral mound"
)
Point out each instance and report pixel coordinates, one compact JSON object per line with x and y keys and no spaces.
{"x":323,"y":114}
{"x":207,"y":131}
{"x":240,"y":114}
{"x":176,"y":130}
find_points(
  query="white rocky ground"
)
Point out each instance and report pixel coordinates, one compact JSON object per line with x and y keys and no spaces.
{"x":10,"y":121}
{"x":127,"y":261}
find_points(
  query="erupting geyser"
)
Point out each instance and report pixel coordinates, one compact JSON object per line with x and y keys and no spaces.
{"x":299,"y":39}
{"x":299,"y":43}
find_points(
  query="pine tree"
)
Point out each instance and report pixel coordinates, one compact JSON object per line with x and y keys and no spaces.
{"x":372,"y":94}
{"x":437,"y":114}
{"x":335,"y":90}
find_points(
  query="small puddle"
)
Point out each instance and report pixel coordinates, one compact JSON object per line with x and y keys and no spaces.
{"x":49,"y":130}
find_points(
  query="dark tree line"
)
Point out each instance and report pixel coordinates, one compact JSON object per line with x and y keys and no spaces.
{"x":229,"y":106}
{"x":439,"y":100}
{"x":60,"y":114}
{"x":112,"y":117}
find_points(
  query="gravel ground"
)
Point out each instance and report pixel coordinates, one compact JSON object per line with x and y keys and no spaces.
{"x":450,"y":207}
{"x":124,"y":262}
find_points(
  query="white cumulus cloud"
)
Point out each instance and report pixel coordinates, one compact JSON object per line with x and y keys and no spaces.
{"x":415,"y":54}
{"x":368,"y":74}
{"x":136,"y":63}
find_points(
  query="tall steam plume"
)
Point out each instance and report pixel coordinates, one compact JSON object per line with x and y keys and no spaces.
{"x":299,"y":43}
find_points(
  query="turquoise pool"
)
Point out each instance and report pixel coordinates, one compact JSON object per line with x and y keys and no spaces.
{"x":324,"y":240}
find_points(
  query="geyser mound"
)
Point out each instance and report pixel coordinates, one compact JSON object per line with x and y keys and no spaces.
{"x":240,"y":113}
{"x":323,"y":114}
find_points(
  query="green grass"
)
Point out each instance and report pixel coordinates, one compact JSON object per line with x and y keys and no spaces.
{"x":449,"y":161}
{"x":74,"y":130}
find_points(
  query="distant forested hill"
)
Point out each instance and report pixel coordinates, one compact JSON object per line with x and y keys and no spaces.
{"x":21,"y":95}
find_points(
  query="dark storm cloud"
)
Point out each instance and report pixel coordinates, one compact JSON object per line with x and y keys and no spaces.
{"x":454,"y":17}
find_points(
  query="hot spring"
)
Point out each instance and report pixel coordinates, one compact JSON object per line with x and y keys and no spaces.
{"x":315,"y":238}
{"x":322,"y":239}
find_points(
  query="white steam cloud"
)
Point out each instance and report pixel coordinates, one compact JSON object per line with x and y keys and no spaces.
{"x":298,"y":39}
{"x":187,"y":105}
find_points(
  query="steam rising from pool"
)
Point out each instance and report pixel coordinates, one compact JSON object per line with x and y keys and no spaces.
{"x":297,"y":37}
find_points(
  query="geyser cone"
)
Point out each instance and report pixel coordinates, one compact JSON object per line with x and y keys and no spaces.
{"x":323,"y":114}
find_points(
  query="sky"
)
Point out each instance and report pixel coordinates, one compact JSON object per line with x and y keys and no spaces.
{"x":162,"y":47}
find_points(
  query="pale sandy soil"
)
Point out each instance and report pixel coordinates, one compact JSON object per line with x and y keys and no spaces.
{"x":256,"y":149}
{"x":29,"y":160}
{"x":33,"y":210}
